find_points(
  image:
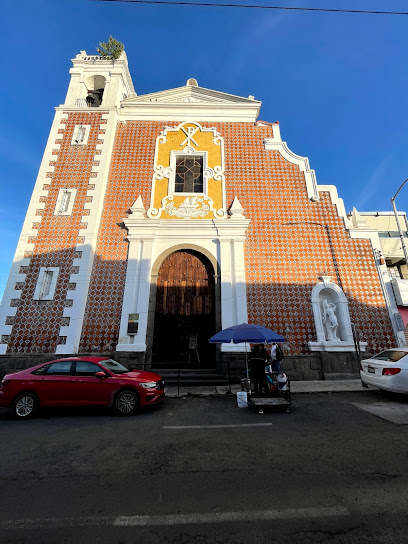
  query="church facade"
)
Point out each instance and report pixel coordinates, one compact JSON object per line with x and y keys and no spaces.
{"x":157,"y":220}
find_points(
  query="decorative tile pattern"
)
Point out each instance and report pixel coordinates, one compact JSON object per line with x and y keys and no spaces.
{"x":37,"y":323}
{"x":290,"y":242}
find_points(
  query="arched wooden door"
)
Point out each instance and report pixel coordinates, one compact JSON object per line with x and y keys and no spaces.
{"x":185,"y":310}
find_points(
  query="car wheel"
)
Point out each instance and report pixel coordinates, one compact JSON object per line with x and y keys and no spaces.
{"x":126,"y":403}
{"x":25,"y":406}
{"x":364,"y":384}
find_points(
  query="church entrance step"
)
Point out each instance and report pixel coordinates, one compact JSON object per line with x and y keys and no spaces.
{"x":191,"y":377}
{"x":185,"y":365}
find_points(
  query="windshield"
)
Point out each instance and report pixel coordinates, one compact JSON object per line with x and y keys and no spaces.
{"x":390,"y":355}
{"x":113,"y":366}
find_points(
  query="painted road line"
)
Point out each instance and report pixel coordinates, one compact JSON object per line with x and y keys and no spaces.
{"x":176,"y":519}
{"x":217,"y":426}
{"x":223,"y":517}
{"x":55,"y":523}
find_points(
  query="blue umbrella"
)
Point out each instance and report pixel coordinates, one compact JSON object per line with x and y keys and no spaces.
{"x":255,"y":334}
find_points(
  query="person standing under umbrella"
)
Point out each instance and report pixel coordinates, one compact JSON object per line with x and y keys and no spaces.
{"x":276,"y":358}
{"x":257,"y":362}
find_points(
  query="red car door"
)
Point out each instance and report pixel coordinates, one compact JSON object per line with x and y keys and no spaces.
{"x":91,"y":390}
{"x":54,"y":387}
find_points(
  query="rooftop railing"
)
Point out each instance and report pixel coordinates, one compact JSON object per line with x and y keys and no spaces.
{"x":84,"y":103}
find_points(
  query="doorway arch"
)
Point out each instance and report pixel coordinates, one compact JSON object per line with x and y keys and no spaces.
{"x":184,"y":308}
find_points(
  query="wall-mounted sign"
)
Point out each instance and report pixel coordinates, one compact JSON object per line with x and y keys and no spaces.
{"x":133,"y":324}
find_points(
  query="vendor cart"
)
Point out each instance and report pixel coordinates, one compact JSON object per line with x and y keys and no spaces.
{"x":278,"y":398}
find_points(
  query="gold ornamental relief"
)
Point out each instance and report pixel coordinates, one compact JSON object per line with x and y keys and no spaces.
{"x":188,"y":179}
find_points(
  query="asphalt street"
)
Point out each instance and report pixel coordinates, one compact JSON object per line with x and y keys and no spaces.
{"x":201,"y":470}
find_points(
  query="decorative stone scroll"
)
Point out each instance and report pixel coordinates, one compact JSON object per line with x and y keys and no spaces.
{"x":193,"y":206}
{"x":207,"y":146}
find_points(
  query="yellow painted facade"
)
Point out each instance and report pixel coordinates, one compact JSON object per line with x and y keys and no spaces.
{"x":188,"y":138}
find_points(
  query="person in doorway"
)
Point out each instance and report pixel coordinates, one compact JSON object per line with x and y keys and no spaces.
{"x":257,"y":362}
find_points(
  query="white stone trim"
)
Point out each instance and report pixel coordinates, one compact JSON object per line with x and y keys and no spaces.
{"x":337,"y":201}
{"x":190,"y":104}
{"x":150,"y":238}
{"x":27,"y":231}
{"x":336,"y":346}
{"x":160,"y":172}
{"x":313,"y":189}
{"x":272,"y":144}
{"x":118,"y":81}
{"x":345,"y":332}
{"x":90,"y":234}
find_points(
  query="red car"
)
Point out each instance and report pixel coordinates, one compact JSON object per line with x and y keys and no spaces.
{"x":80,"y":381}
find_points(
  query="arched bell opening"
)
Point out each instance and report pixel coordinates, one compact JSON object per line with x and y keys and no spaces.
{"x":95,"y":87}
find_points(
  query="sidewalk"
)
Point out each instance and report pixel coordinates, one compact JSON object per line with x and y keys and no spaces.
{"x":315,"y":386}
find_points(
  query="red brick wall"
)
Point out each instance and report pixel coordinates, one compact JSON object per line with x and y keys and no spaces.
{"x":291,"y":240}
{"x":130,"y":175}
{"x":37,"y":322}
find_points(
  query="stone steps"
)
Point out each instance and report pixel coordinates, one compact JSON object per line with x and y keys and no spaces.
{"x":171,"y":376}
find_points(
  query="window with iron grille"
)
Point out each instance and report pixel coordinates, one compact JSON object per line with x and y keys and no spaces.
{"x":66,"y":197}
{"x":80,"y":135}
{"x":46,"y":283}
{"x":189,"y":174}
{"x":65,"y":201}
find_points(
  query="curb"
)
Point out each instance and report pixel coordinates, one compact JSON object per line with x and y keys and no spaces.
{"x":318,"y":386}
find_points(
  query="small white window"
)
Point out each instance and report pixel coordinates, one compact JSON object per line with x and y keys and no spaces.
{"x":66,"y":197}
{"x":65,"y":201}
{"x":46,"y":283}
{"x":47,"y":280}
{"x":80,"y":136}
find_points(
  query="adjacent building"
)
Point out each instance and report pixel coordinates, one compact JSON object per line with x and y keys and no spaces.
{"x":391,"y":239}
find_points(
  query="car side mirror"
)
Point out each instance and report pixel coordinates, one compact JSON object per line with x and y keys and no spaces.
{"x":101,"y":375}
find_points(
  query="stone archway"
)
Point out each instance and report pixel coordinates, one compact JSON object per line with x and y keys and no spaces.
{"x":183,"y":310}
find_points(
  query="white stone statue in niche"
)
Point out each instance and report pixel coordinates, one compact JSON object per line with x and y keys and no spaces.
{"x":330,"y":320}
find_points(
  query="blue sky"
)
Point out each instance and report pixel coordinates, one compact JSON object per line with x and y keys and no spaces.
{"x":337,"y":83}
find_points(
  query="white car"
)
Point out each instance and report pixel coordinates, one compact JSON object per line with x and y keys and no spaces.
{"x":388,"y":370}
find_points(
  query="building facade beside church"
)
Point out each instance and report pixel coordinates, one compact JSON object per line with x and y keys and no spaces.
{"x":157,"y":220}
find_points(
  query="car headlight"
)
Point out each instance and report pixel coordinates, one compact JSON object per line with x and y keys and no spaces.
{"x":149,"y":385}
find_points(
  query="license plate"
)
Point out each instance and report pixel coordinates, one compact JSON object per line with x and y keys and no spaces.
{"x":371,"y":369}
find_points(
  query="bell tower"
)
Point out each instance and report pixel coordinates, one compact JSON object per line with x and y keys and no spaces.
{"x":98,"y":82}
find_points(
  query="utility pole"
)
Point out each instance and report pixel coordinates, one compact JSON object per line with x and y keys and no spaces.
{"x":401,"y":234}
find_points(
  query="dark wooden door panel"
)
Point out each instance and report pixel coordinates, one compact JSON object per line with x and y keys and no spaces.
{"x":184,"y":309}
{"x":185,"y":285}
